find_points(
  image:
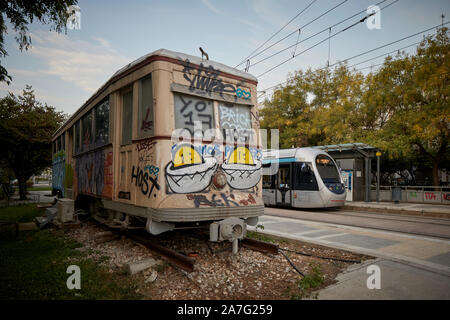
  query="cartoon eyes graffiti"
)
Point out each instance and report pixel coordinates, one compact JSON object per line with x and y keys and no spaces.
{"x":189,"y":171}
{"x":241,"y":169}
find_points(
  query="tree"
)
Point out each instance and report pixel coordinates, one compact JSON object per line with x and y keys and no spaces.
{"x":403,"y":108}
{"x":21,"y":13}
{"x":414,"y":91}
{"x":26,"y":128}
{"x":316,"y":107}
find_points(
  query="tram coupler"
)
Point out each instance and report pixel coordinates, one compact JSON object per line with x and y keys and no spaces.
{"x":231,"y":229}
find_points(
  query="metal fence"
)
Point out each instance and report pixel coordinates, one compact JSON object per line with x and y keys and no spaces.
{"x":418,"y":194}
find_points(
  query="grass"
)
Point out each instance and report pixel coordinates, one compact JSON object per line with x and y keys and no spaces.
{"x":307,"y":284}
{"x":42,"y":188}
{"x":20,"y":213}
{"x":34,"y":265}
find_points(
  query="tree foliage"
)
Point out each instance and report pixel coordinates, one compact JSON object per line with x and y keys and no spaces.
{"x":21,"y":13}
{"x":26,"y":128}
{"x":403,"y":108}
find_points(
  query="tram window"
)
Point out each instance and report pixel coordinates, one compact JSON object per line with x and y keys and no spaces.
{"x":86,"y":127}
{"x":284,"y":178}
{"x":235,"y":122}
{"x":189,"y":110}
{"x":77,"y":137}
{"x":102,"y":123}
{"x":127,"y":117}
{"x":146,"y":108}
{"x":304,"y":177}
{"x":269,"y":182}
{"x":327,"y":169}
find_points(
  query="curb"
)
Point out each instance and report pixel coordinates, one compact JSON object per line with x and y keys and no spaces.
{"x":419,"y":213}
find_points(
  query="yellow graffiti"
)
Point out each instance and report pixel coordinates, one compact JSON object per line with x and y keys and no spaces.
{"x":241,"y":155}
{"x":186,"y":155}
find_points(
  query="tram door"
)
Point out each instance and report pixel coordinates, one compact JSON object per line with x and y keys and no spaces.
{"x":284,"y":185}
{"x":126,"y":146}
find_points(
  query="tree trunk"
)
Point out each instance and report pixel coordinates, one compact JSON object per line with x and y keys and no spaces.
{"x":22,"y":188}
{"x":436,"y":172}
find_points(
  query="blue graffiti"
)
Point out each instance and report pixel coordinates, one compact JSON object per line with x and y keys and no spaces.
{"x":90,"y":172}
{"x":213,"y":150}
{"x":241,"y":93}
{"x":153,"y":170}
{"x":58,"y":173}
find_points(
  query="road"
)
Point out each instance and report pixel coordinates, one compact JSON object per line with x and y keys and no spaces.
{"x":412,"y":252}
{"x":424,"y":226}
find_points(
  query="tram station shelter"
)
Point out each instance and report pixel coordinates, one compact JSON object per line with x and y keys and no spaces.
{"x":355,"y":162}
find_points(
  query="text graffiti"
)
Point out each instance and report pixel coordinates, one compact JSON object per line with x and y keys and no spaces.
{"x":144,"y":181}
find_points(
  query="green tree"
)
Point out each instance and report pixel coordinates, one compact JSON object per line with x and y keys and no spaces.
{"x":403,"y":108}
{"x":21,"y":13}
{"x":26,"y":128}
{"x":412,"y":95}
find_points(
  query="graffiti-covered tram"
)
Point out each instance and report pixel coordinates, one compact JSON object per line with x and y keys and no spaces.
{"x":169,"y":141}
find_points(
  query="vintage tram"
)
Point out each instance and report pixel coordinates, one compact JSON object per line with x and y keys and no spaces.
{"x":169,"y":141}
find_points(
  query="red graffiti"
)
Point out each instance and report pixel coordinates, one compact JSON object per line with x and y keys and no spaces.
{"x":246,"y":202}
{"x":108,"y":175}
{"x":430,"y":196}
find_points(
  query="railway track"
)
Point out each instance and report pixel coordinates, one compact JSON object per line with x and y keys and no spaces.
{"x":186,"y":263}
{"x":173,"y":257}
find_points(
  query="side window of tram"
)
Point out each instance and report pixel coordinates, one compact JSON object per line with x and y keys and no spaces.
{"x":284,"y":178}
{"x":304,"y":177}
{"x":235,"y":122}
{"x":87,"y":137}
{"x":127,"y":117}
{"x":269,"y":182}
{"x":102,"y":123}
{"x":190,"y":110}
{"x":146,"y":122}
{"x":77,"y":137}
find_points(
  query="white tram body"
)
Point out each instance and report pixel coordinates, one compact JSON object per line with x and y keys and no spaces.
{"x":301,"y":178}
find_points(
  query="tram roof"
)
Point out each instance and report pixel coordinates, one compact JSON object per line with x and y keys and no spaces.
{"x":171,"y":56}
{"x":346,"y":147}
{"x":192,"y":59}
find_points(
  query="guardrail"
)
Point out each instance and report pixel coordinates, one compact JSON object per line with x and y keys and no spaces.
{"x":418,"y":194}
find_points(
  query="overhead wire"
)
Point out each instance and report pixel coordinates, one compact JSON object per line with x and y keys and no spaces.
{"x":317,"y":33}
{"x":322,"y":41}
{"x":300,"y":28}
{"x":303,"y":10}
{"x":312,"y":36}
{"x":366,"y":52}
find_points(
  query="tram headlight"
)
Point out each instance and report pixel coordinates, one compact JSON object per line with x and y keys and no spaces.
{"x":219,"y":180}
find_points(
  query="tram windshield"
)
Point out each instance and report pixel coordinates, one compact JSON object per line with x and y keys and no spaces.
{"x":327,"y":169}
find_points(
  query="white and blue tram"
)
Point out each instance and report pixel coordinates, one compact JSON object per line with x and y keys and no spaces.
{"x":304,"y":178}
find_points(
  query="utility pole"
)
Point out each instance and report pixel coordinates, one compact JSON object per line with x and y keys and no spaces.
{"x":378,"y":154}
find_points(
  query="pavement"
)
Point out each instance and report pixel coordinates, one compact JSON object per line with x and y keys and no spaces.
{"x":419,"y":209}
{"x":412,"y":266}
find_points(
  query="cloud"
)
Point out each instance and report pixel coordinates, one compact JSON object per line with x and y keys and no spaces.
{"x":212,"y":8}
{"x":85,"y":64}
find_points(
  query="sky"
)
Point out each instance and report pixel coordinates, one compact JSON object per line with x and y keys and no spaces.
{"x":66,"y":69}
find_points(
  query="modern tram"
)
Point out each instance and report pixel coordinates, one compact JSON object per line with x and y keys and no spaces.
{"x":119,"y":156}
{"x":301,"y":178}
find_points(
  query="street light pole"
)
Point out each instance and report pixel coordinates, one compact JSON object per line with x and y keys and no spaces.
{"x":378,"y":154}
